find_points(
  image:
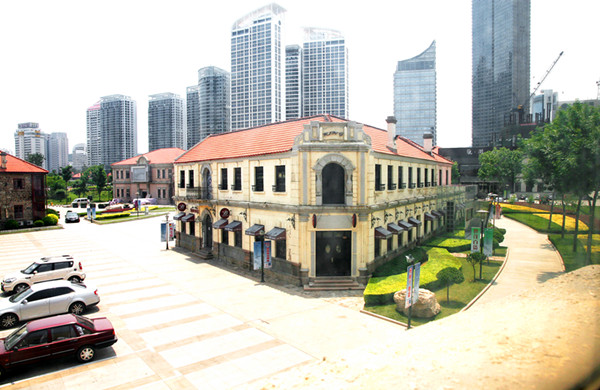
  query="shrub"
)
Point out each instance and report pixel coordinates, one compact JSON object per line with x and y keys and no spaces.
{"x":60,"y":194}
{"x":450,"y":276}
{"x":498,"y":236}
{"x":113,"y":215}
{"x":11,"y":224}
{"x":50,"y":220}
{"x":51,"y":211}
{"x":38,"y":223}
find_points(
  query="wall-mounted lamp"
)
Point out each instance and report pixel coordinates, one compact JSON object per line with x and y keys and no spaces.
{"x":374,"y":221}
{"x":292,"y":220}
{"x":243,"y":214}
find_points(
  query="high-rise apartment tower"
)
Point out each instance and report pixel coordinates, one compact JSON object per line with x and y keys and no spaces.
{"x":29,"y":139}
{"x":94,"y":144}
{"x":293,"y":82}
{"x":166,"y":127}
{"x":118,"y":129}
{"x":58,"y":155}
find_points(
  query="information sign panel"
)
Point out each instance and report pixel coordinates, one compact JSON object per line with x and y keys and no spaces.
{"x":488,"y":241}
{"x":475,"y":239}
{"x":409,"y":284}
{"x":416,"y":281}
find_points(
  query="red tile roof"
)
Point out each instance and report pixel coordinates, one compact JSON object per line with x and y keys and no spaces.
{"x":158,"y":156}
{"x":279,"y":138}
{"x":16,"y":165}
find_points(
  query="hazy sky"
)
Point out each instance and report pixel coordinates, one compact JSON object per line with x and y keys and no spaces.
{"x":59,"y":57}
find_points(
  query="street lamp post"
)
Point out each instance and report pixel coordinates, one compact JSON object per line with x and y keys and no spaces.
{"x":167,"y":230}
{"x":137,"y":204}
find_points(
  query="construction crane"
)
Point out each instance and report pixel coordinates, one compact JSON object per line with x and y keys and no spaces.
{"x":519,"y":108}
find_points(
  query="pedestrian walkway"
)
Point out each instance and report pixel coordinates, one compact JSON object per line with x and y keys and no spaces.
{"x":530,"y":261}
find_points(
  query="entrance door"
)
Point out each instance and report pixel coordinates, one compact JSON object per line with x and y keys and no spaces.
{"x":207,"y":237}
{"x":334,"y":253}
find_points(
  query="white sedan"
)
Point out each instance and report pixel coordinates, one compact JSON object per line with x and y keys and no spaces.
{"x":46,"y":299}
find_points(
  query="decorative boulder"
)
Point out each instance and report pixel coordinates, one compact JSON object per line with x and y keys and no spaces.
{"x":426,"y":307}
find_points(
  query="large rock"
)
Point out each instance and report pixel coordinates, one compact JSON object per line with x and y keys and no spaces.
{"x":426,"y":307}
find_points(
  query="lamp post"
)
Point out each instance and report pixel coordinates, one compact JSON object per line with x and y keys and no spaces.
{"x":137,"y":204}
{"x":167,"y":230}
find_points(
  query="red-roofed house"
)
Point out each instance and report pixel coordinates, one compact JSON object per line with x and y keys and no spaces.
{"x":335,"y":198}
{"x":148,"y":175}
{"x":22,"y":190}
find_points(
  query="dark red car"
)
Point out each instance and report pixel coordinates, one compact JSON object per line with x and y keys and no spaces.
{"x":55,"y":337}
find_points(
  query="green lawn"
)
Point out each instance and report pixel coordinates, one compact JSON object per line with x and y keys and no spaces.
{"x":460,"y":294}
{"x":535,"y":222}
{"x":575,"y":260}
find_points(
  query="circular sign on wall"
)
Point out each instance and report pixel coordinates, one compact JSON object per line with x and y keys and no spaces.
{"x":224,"y":213}
{"x":181,"y":206}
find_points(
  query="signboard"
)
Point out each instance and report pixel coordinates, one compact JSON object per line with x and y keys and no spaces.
{"x":475,"y":239}
{"x":267,"y":257}
{"x":409,"y":284}
{"x":488,"y":241}
{"x":416,"y":281}
{"x":224,"y":213}
{"x":163,"y":230}
{"x":256,"y":253}
{"x":89,"y":213}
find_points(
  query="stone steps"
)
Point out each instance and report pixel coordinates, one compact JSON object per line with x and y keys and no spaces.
{"x":332,"y":283}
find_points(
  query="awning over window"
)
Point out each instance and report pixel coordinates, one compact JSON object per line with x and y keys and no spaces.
{"x":405,"y":225}
{"x":188,"y":218}
{"x":255,"y":230}
{"x":394,"y":229}
{"x":220,"y":224}
{"x":382,"y":234}
{"x":178,"y":216}
{"x":414,"y":221}
{"x":234,"y":226}
{"x":438,"y":214}
{"x":430,"y":217}
{"x":276,"y":234}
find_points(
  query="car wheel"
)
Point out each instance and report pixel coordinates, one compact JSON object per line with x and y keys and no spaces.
{"x":77,"y":308}
{"x":86,"y":353}
{"x":20,"y":287}
{"x":8,"y":320}
{"x":74,"y":279}
{"x":2,"y":373}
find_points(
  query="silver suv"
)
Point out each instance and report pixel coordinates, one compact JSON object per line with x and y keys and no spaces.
{"x":43,"y":270}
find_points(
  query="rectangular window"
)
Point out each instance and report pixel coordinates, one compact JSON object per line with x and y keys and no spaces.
{"x":378,"y":184}
{"x":377,"y":247}
{"x":192,"y":228}
{"x":18,"y":184}
{"x":163,"y":174}
{"x":399,"y":239}
{"x":127,"y":174}
{"x":447,"y":182}
{"x":440,"y":178}
{"x":279,"y":178}
{"x":411,"y":184}
{"x":258,"y":179}
{"x":190,"y":179}
{"x":223,"y":185}
{"x":419,"y":183}
{"x":401,"y":183}
{"x":224,"y":237}
{"x":390,"y":179}
{"x":237,"y":179}
{"x":237,"y":235}
{"x":18,"y":210}
{"x":280,"y":249}
{"x":182,"y":179}
{"x":426,"y":177}
{"x":183,"y":227}
{"x":128,"y":193}
{"x":389,"y":243}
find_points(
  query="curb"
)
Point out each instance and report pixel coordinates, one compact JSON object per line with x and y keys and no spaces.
{"x":489,"y":284}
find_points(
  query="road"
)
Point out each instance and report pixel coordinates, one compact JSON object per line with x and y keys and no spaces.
{"x":182,"y":322}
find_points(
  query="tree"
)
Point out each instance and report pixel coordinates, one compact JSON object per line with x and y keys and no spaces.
{"x":98,"y":177}
{"x":55,"y":183}
{"x":66,"y":173}
{"x":450,"y":276}
{"x":80,"y":187}
{"x":455,"y":173}
{"x":503,"y":165}
{"x":475,"y":258}
{"x":36,"y":159}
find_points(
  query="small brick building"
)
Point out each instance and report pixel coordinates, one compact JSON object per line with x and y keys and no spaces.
{"x":22,"y":190}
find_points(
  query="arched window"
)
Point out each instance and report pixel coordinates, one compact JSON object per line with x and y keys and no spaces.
{"x":334,"y":191}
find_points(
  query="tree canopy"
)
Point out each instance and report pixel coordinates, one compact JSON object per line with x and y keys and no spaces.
{"x":36,"y":159}
{"x":501,"y":164}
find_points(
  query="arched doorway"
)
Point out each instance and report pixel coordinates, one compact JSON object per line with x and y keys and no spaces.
{"x":207,"y":236}
{"x":334,"y":189}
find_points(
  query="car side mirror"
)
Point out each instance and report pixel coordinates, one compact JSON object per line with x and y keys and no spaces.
{"x":35,"y":272}
{"x":24,"y":302}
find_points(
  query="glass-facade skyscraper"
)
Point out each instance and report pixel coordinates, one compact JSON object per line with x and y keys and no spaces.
{"x":58,"y":151}
{"x":165,"y":121}
{"x":118,"y":129}
{"x":293,"y":82}
{"x":193,"y":115}
{"x":256,"y":68}
{"x":324,"y":73}
{"x":94,"y":144}
{"x":415,"y":96}
{"x":501,"y":61}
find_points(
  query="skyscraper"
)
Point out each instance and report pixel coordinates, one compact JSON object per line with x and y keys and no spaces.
{"x":29,"y":139}
{"x":256,"y":68}
{"x":324,"y":73}
{"x":293,"y":81}
{"x":58,"y":155}
{"x":501,"y":61}
{"x":94,"y":144}
{"x":79,"y":157}
{"x":415,"y":96}
{"x":165,"y":121}
{"x":118,"y":129}
{"x":193,"y":115}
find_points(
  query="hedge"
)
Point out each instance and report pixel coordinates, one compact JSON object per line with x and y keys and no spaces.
{"x":381,"y":289}
{"x":452,"y":244}
{"x":50,"y":220}
{"x":113,"y":215}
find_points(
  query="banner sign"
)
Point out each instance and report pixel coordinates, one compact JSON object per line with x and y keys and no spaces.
{"x":475,"y":239}
{"x":409,"y":284}
{"x":267,"y":258}
{"x":416,"y":281}
{"x":167,"y":227}
{"x":488,"y":241}
{"x":163,"y":232}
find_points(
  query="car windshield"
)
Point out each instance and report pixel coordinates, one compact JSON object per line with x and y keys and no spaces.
{"x":18,"y":296}
{"x":29,"y":270}
{"x":15,"y":336}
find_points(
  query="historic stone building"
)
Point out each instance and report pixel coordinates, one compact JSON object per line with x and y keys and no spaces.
{"x":22,"y":191}
{"x":336,"y":198}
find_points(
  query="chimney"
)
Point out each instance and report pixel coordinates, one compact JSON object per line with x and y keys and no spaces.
{"x":3,"y":160}
{"x":427,"y":142}
{"x":391,"y":129}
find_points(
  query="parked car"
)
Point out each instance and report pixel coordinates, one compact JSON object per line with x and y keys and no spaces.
{"x":46,"y":299}
{"x":71,"y":216}
{"x":42,"y":270}
{"x":55,"y":337}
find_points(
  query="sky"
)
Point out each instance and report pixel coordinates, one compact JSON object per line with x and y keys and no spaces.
{"x":57,"y":58}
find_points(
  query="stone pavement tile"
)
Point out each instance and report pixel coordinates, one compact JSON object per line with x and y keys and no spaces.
{"x":165,"y":316}
{"x":151,"y":304}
